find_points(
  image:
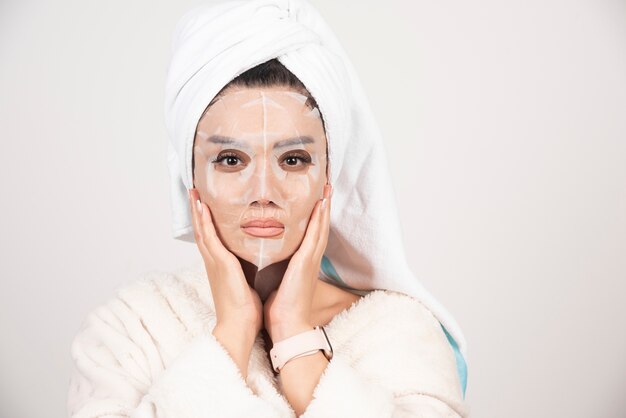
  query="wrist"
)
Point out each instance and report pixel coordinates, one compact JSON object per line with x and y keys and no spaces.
{"x":238,"y":345}
{"x":283,"y":331}
{"x":237,"y":334}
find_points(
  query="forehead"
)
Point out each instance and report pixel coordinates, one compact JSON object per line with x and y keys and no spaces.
{"x":272,"y":112}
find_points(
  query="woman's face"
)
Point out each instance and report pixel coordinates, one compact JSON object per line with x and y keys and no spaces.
{"x":260,"y":165}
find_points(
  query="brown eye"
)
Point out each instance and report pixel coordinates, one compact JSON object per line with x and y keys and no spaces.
{"x":229,"y":161}
{"x":291,"y":160}
{"x":296,"y":160}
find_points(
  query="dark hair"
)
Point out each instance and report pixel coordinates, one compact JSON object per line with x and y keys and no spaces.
{"x":271,"y":73}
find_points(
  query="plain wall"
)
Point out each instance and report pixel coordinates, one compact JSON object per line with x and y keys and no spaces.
{"x":505,"y":124}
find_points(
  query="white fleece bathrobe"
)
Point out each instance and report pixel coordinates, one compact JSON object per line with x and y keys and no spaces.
{"x":149,"y":352}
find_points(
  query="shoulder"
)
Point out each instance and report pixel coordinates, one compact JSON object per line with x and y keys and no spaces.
{"x":162,"y":295}
{"x":406,"y":320}
{"x":382,"y":307}
{"x":127,"y":342}
{"x":398,"y":340}
{"x":406,"y":311}
{"x":158,"y":313}
{"x":185,"y":288}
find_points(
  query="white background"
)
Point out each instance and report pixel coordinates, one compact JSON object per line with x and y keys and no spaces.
{"x":505,"y":124}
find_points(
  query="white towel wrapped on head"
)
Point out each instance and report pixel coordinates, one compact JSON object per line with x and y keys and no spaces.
{"x":215,"y":42}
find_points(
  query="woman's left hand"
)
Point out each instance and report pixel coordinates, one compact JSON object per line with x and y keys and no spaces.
{"x":287,"y":310}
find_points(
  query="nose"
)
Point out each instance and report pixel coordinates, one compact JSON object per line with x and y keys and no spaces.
{"x":264,"y":185}
{"x":263,"y":203}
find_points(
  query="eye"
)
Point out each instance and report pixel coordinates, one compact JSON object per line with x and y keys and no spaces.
{"x":230,"y":161}
{"x":295,"y":160}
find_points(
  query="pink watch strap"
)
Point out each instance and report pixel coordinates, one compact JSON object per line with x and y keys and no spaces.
{"x":299,"y":345}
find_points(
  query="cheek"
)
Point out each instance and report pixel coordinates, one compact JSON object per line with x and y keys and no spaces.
{"x":304,"y":191}
{"x":297,"y":186}
{"x":227,"y":197}
{"x":230,"y":189}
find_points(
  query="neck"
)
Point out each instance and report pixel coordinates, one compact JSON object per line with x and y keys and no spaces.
{"x":327,"y":299}
{"x":267,"y":279}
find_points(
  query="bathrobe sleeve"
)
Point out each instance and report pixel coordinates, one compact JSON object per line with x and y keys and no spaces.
{"x":400,"y":365}
{"x":112,"y":377}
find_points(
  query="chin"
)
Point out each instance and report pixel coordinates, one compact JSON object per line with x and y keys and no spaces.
{"x":261,"y":262}
{"x":263,"y":252}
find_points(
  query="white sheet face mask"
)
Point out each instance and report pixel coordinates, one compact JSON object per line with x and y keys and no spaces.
{"x":260,"y":165}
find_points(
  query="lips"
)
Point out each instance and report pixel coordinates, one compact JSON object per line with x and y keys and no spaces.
{"x":263,"y":228}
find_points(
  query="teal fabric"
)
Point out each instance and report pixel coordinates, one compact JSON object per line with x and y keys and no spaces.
{"x":329,"y":270}
{"x":461,"y":365}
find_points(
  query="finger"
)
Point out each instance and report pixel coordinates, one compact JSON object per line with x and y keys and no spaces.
{"x":209,"y":243}
{"x":211,"y":240}
{"x":323,"y":210}
{"x":197,"y":222}
{"x":324,"y":225}
{"x":311,"y":236}
{"x":322,"y":215}
{"x":194,"y":216}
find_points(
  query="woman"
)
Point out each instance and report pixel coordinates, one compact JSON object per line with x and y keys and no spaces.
{"x":257,"y":329}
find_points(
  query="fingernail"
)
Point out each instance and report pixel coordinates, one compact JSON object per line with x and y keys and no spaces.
{"x":323,"y":203}
{"x":199,"y":206}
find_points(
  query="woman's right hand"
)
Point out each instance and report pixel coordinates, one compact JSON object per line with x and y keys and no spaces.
{"x":238,"y":307}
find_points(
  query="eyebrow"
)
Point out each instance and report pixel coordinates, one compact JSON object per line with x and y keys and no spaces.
{"x":219,"y":139}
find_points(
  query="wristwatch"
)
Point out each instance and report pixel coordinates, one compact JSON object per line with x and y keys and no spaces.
{"x":303,"y":344}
